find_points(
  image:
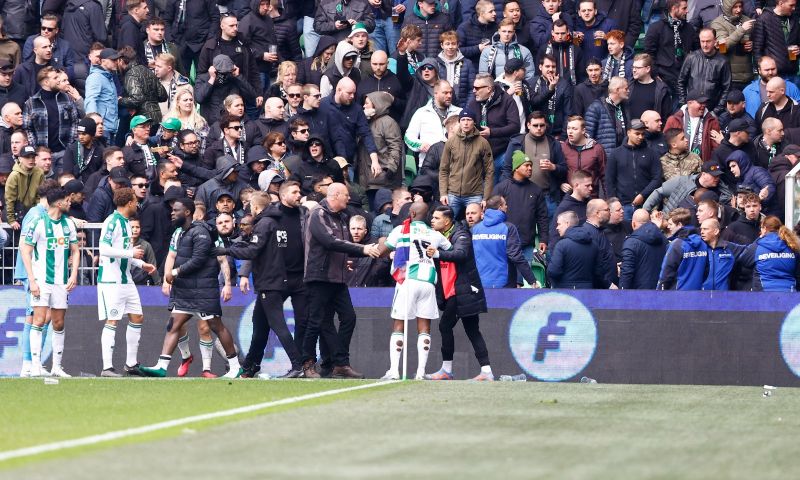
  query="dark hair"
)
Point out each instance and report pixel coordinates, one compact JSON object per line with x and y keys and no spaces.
{"x":593,"y":60}
{"x":156,"y":21}
{"x":162,"y":166}
{"x":535,"y":115}
{"x":445,"y":210}
{"x":314,"y":197}
{"x":495,"y":202}
{"x":127,"y":53}
{"x":547,"y":56}
{"x":671,"y":133}
{"x":581,"y":175}
{"x":561,"y":23}
{"x":297,"y":123}
{"x":672,"y":4}
{"x":46,"y":186}
{"x":187,"y":203}
{"x":185,"y":133}
{"x":123,"y":196}
{"x":51,"y":16}
{"x":56,"y":194}
{"x":226,"y":119}
{"x":110,"y":151}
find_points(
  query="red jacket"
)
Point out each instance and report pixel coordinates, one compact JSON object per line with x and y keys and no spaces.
{"x":710,"y":123}
{"x":592,"y":158}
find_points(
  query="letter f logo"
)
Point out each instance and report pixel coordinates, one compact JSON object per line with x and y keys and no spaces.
{"x":543,"y":342}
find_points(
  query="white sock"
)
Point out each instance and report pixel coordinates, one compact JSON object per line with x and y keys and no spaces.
{"x":183,"y":346}
{"x":206,"y":351}
{"x":107,"y":339}
{"x":36,"y":347}
{"x":486,"y":369}
{"x":220,"y":349}
{"x":163,"y":361}
{"x":423,"y":348}
{"x":395,"y":350}
{"x":234,"y":363}
{"x":447,"y":366}
{"x":132,"y":335}
{"x":58,"y":347}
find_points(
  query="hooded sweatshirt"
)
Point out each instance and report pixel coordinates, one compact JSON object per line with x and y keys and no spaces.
{"x":388,"y":141}
{"x":496,"y":244}
{"x":336,"y":70}
{"x":642,"y":254}
{"x":729,"y":30}
{"x":752,"y":176}
{"x":574,"y":263}
{"x":311,"y":69}
{"x":20,"y":193}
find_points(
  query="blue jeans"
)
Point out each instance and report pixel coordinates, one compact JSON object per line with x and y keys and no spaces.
{"x":310,"y":37}
{"x":385,"y":35}
{"x":458,"y":203}
{"x":552,"y":205}
{"x":498,"y":167}
{"x":527,"y":252}
{"x":628,"y":211}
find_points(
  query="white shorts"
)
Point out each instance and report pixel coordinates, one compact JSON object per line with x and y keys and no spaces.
{"x":51,"y":296}
{"x":114,"y":300}
{"x":414,"y":299}
{"x":200,"y":315}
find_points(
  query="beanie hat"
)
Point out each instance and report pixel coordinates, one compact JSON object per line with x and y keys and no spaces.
{"x":518,"y":158}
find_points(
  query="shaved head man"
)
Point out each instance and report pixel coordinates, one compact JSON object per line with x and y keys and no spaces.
{"x":379,"y":62}
{"x":652,"y":120}
{"x":345,"y":91}
{"x":273,"y":108}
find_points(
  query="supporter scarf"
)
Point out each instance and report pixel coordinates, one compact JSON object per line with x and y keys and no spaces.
{"x":152,"y":51}
{"x":181,"y":12}
{"x":696,"y":141}
{"x":619,"y":117}
{"x":449,"y":274}
{"x":567,"y":59}
{"x":676,"y":25}
{"x":80,"y":159}
{"x":515,"y":52}
{"x":612,"y":64}
{"x":237,"y":153}
{"x":485,"y":108}
{"x":541,"y":82}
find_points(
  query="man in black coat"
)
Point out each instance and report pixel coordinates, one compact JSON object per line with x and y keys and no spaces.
{"x":574,"y":263}
{"x":131,"y":29}
{"x":10,"y":91}
{"x":195,"y":288}
{"x":776,"y":32}
{"x":321,"y":123}
{"x":258,"y":30}
{"x":597,"y":216}
{"x":231,"y":44}
{"x":590,"y":89}
{"x":642,"y":254}
{"x":633,"y":170}
{"x":626,"y":15}
{"x":190,"y":25}
{"x":669,"y":41}
{"x":738,"y":139}
{"x":276,"y":252}
{"x":381,"y":79}
{"x":84,"y":23}
{"x":459,"y":293}
{"x":576,"y":202}
{"x":156,"y":223}
{"x":213,"y":87}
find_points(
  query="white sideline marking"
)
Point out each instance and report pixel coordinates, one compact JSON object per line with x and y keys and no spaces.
{"x":106,"y":437}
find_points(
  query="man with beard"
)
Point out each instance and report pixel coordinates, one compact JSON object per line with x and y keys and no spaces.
{"x":84,"y":156}
{"x":582,"y":152}
{"x":590,"y":89}
{"x":755,"y":94}
{"x":426,"y":127}
{"x":590,"y":31}
{"x":497,"y":117}
{"x":552,"y":95}
{"x":187,"y":158}
{"x":669,"y":41}
{"x":647,"y":92}
{"x":381,"y":79}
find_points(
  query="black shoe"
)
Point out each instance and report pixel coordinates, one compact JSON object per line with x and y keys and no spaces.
{"x":133,"y":371}
{"x":324,"y":370}
{"x":250,"y":371}
{"x":293,"y":373}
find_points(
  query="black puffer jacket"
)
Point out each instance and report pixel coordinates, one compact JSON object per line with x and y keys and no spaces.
{"x":574,"y":263}
{"x":191,"y":27}
{"x":20,"y":18}
{"x":431,"y":27}
{"x":288,"y":38}
{"x":328,"y":244}
{"x":768,"y":39}
{"x":470,"y":296}
{"x":470,"y":34}
{"x":642,"y":254}
{"x":92,"y":160}
{"x":196,"y":288}
{"x":143,"y":92}
{"x":585,"y":93}
{"x":709,"y":75}
{"x":157,"y":225}
{"x":659,"y":43}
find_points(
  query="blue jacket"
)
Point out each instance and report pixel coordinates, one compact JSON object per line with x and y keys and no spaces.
{"x":496,"y":243}
{"x":776,"y":265}
{"x":601,"y":23}
{"x":101,"y":97}
{"x":752,"y":176}
{"x":101,"y":204}
{"x":721,"y":260}
{"x":752,"y":95}
{"x":574,"y":263}
{"x":684,"y":266}
{"x":600,"y":123}
{"x":352,"y":125}
{"x":642,"y":254}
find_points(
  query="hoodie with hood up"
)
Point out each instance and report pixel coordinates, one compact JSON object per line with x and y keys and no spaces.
{"x":336,"y":70}
{"x":752,"y":176}
{"x":310,"y":168}
{"x":389,"y":142}
{"x":729,"y":30}
{"x":311,"y":69}
{"x":642,"y":254}
{"x":207,"y":192}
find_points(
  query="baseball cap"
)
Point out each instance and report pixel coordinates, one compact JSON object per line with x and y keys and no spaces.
{"x":466,"y":113}
{"x":171,"y":123}
{"x":74,"y":186}
{"x":109,"y":54}
{"x":699,"y":97}
{"x":518,"y":158}
{"x":737,"y":125}
{"x":712,"y":168}
{"x":513,"y":64}
{"x":88,"y":126}
{"x":792,"y":149}
{"x":120,"y":175}
{"x":138,"y":120}
{"x":636,"y":124}
{"x":6,"y":66}
{"x":342,"y":162}
{"x":358,"y":27}
{"x":735,"y":96}
{"x":223,"y":64}
{"x":27,"y":151}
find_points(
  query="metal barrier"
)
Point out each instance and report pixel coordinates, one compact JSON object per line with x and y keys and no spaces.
{"x":88,"y":241}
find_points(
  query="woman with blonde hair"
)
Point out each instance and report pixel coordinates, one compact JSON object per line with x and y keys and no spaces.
{"x":775,"y":257}
{"x":287,"y":75}
{"x":234,"y":105}
{"x":311,"y":69}
{"x":185,"y":110}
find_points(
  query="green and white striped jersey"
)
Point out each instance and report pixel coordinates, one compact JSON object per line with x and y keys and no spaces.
{"x":116,"y":233}
{"x":419,"y":265}
{"x":51,"y":240}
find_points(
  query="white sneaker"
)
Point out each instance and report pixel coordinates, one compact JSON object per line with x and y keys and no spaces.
{"x":25,"y":372}
{"x":59,"y":372}
{"x":390,"y":375}
{"x":419,"y":376}
{"x":44,"y":373}
{"x":37,"y":371}
{"x":234,"y":373}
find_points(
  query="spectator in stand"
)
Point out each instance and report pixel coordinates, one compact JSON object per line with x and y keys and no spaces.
{"x":112,"y":157}
{"x":130,"y":32}
{"x":735,"y":109}
{"x":273,"y":120}
{"x":498,"y":249}
{"x":366,"y":271}
{"x":755,"y":94}
{"x":155,"y":46}
{"x":213,"y":87}
{"x":21,"y":187}
{"x":597,"y":216}
{"x":387,"y":217}
{"x":231,"y":44}
{"x":679,"y":160}
{"x":349,"y":116}
{"x":38,"y":120}
{"x":769,"y":143}
{"x":745,"y":229}
{"x":171,"y":80}
{"x":466,"y":170}
{"x":669,"y":41}
{"x":139,"y":156}
{"x":503,"y":48}
{"x":226,"y":179}
{"x":139,"y":276}
{"x":642,"y":254}
{"x":284,"y":17}
{"x":550,"y":94}
{"x":10,"y":120}
{"x":286,"y":75}
{"x":774,"y":257}
{"x":101,"y":203}
{"x":426,"y":15}
{"x":569,"y":61}
{"x":591,"y":30}
{"x":778,"y":168}
{"x":408,"y":55}
{"x":543,"y":24}
{"x":258,"y":31}
{"x":190,"y":25}
{"x":44,"y":161}
{"x":738,"y":140}
{"x":455,"y":68}
{"x":477,"y":30}
{"x":590,"y":89}
{"x":549,"y":168}
{"x":779,"y":106}
{"x":433,"y":158}
{"x":574,"y":262}
{"x":387,"y":172}
{"x":321,"y":122}
{"x":359,"y":39}
{"x":420,"y":84}
{"x":27,"y":72}
{"x":101,"y":92}
{"x":617,"y":228}
{"x":62,"y":55}
{"x":633,"y":170}
{"x":652,"y":134}
{"x":473,"y":214}
{"x":84,"y":23}
{"x":733,"y":29}
{"x":618,"y":61}
{"x":498,"y":119}
{"x":647,"y":92}
{"x":581,"y":184}
{"x":582,"y":152}
{"x":527,"y":208}
{"x":10,"y":91}
{"x":381,"y":79}
{"x":75,"y":189}
{"x":625,"y":15}
{"x":777,"y":35}
{"x":426,"y":127}
{"x":311,"y":69}
{"x":706,"y":72}
{"x":753,"y":177}
{"x":185,"y":111}
{"x":316,"y":162}
{"x":699,"y":122}
{"x":9,"y":48}
{"x":607,"y":118}
{"x":335,"y":18}
{"x":674,"y":191}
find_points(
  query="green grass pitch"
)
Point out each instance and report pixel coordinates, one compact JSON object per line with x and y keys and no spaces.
{"x":421,"y":430}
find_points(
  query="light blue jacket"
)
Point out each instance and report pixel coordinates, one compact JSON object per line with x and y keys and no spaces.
{"x":752,"y":95}
{"x":101,"y":97}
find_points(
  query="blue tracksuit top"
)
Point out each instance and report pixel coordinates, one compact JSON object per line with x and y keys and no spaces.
{"x":776,"y":264}
{"x":684,"y":266}
{"x":489,"y":242}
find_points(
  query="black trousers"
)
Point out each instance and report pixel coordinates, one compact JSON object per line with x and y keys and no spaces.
{"x":448,"y":321}
{"x":268,"y":314}
{"x":325,"y":299}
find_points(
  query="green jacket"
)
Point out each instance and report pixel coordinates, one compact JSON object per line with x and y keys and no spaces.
{"x":21,"y":187}
{"x":466,"y":168}
{"x":741,"y":61}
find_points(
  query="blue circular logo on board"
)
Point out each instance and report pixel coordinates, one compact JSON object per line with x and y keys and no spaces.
{"x":553,"y":336}
{"x":12,"y":322}
{"x":790,"y":340}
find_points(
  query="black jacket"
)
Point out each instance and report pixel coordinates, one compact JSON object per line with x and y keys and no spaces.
{"x":309,"y":168}
{"x":574,"y":263}
{"x":157,"y":225}
{"x":198,"y":22}
{"x":84,"y":23}
{"x":388,"y":83}
{"x":328,"y":244}
{"x":196,"y":288}
{"x":211,"y":97}
{"x":242,"y":57}
{"x":662,"y":103}
{"x":642,"y":254}
{"x":569,"y":203}
{"x":659,"y":43}
{"x":431,"y":27}
{"x":136,"y":163}
{"x":192,"y":173}
{"x":606,"y":257}
{"x":470,"y":34}
{"x":527,"y":209}
{"x":616,"y":234}
{"x":287,"y":36}
{"x":632,"y":171}
{"x":584,"y":94}
{"x":778,"y":169}
{"x":304,"y":72}
{"x":707,"y":75}
{"x":130,"y":33}
{"x":14,"y":93}
{"x":91,"y":161}
{"x":502,"y":117}
{"x":626,"y":15}
{"x":101,"y":203}
{"x":768,"y":39}
{"x":258,"y":32}
{"x":470,"y":297}
{"x":742,"y":231}
{"x":322,"y":124}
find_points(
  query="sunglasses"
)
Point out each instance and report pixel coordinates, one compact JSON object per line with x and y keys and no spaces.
{"x":141,"y":185}
{"x":48,"y":29}
{"x":235,"y":127}
{"x":478,"y":87}
{"x":302,"y":130}
{"x":279,"y":143}
{"x":294,"y":95}
{"x":315,"y":144}
{"x":427,"y":68}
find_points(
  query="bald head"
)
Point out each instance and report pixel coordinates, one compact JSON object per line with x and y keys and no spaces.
{"x":652,"y":120}
{"x":418,"y":211}
{"x":336,"y":188}
{"x":776,"y":90}
{"x":640,"y":217}
{"x":379,"y":55}
{"x":379,"y":62}
{"x":39,"y":42}
{"x":345,"y":91}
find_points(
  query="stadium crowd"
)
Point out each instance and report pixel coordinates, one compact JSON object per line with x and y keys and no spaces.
{"x":573,"y":151}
